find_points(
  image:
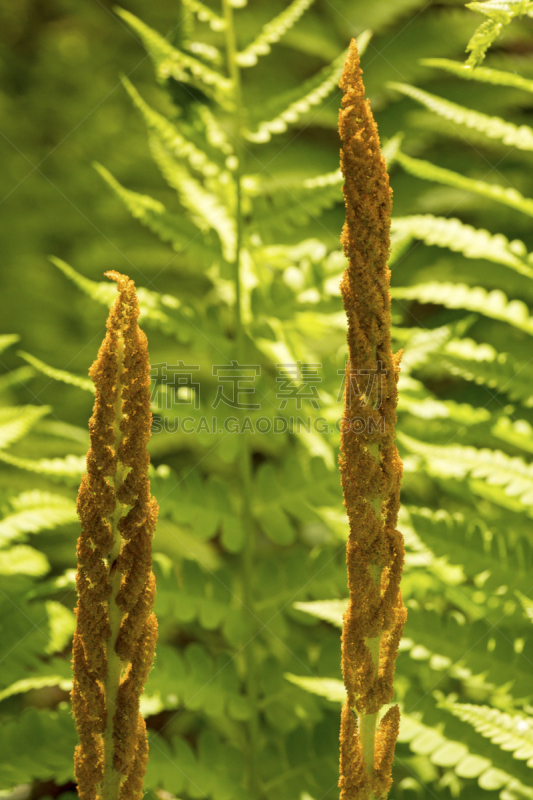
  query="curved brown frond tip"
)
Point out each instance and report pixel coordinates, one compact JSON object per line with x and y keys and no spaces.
{"x":370,"y":466}
{"x":116,"y":631}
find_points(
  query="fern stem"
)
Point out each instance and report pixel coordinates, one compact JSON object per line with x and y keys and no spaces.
{"x":244,"y":465}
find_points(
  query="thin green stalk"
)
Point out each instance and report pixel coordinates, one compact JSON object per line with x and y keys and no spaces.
{"x":245,"y":466}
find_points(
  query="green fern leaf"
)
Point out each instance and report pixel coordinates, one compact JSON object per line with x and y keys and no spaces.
{"x":58,"y":374}
{"x":517,"y":432}
{"x":460,"y":751}
{"x":330,"y":688}
{"x":492,"y":127}
{"x":35,"y":511}
{"x":471,"y":242}
{"x":25,"y":752}
{"x":511,"y":732}
{"x":456,"y":461}
{"x":328,"y":610}
{"x":483,"y":37}
{"x":36,"y":682}
{"x":290,"y":107}
{"x":272,"y":32}
{"x":207,"y":212}
{"x":205,"y":14}
{"x":172,"y":137}
{"x":170,"y":62}
{"x":482,"y":364}
{"x":180,"y":232}
{"x":23,"y":560}
{"x":295,"y":206}
{"x":466,"y":539}
{"x":15,"y":421}
{"x":430,"y":172}
{"x":492,"y":304}
{"x":391,"y":147}
{"x":483,"y":74}
{"x":499,"y":14}
{"x":153,"y":306}
{"x":69,"y":468}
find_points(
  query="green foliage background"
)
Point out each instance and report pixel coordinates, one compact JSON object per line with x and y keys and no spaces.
{"x":244,"y":697}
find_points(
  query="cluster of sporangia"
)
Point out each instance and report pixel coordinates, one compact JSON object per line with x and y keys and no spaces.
{"x":116,"y":630}
{"x":370,"y":466}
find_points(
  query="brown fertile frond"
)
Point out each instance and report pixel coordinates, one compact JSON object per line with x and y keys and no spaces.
{"x":369,"y":462}
{"x":116,"y":630}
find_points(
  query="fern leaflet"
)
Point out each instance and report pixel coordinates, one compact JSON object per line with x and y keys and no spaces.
{"x":492,"y":304}
{"x":471,"y":242}
{"x":291,"y":106}
{"x":492,"y":127}
{"x":430,"y":172}
{"x":483,"y":74}
{"x":170,"y":62}
{"x":272,"y":32}
{"x":15,"y":421}
{"x":58,"y":374}
{"x":169,"y":135}
{"x":513,"y":733}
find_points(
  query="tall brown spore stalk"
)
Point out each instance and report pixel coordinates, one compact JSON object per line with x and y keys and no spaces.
{"x":116,"y":630}
{"x":369,"y":462}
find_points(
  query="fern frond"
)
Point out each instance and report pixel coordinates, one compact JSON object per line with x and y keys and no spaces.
{"x":499,"y":13}
{"x":286,"y":208}
{"x":483,"y":74}
{"x":35,"y":511}
{"x":58,"y":374}
{"x":272,"y":32}
{"x":481,"y":548}
{"x":36,"y":729}
{"x":15,"y":421}
{"x":463,"y":751}
{"x":482,"y":364}
{"x":69,"y":468}
{"x":205,"y":14}
{"x":517,"y":432}
{"x":431,"y":408}
{"x":328,"y":610}
{"x":430,"y":172}
{"x":171,"y":136}
{"x":520,"y":137}
{"x":496,"y":467}
{"x":153,"y":306}
{"x":179,"y":231}
{"x":24,"y":560}
{"x":471,"y":242}
{"x":291,"y":106}
{"x":207,"y":212}
{"x":492,"y":304}
{"x":390,"y":148}
{"x":330,"y":688}
{"x":511,"y":732}
{"x":172,"y":63}
{"x":36,"y":682}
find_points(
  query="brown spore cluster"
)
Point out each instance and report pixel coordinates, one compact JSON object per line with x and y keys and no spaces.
{"x":370,"y":466}
{"x":116,"y":630}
